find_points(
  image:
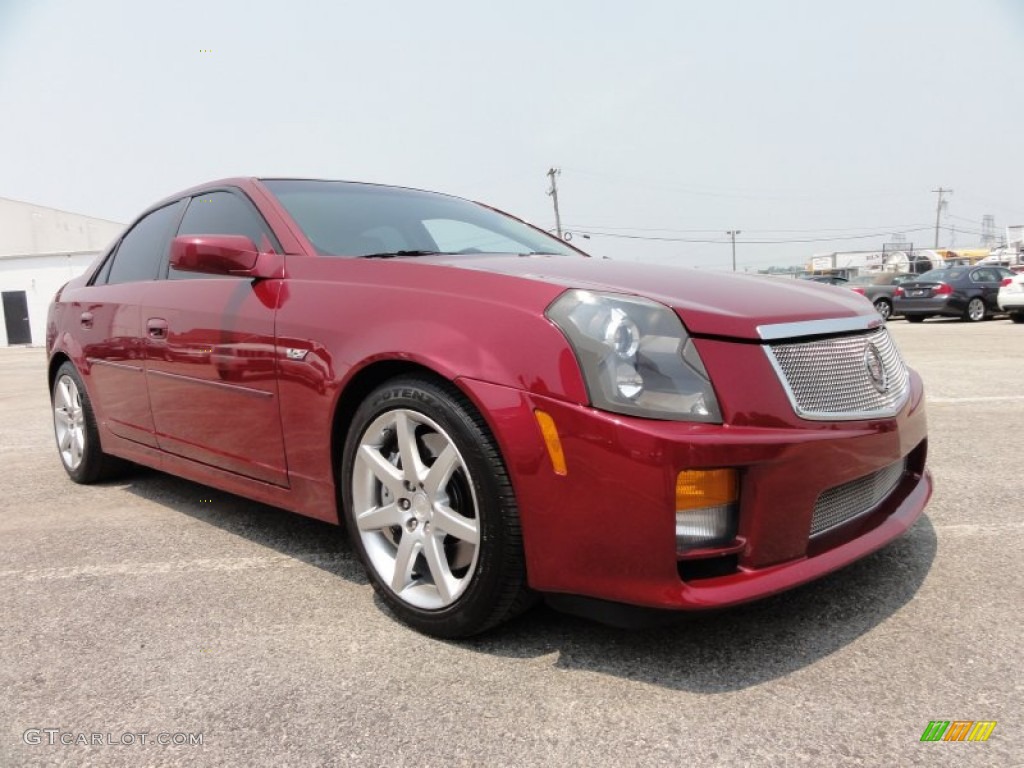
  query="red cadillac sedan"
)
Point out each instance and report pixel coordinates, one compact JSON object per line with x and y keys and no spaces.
{"x":490,"y":413}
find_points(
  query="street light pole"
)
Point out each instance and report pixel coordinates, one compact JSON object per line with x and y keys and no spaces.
{"x":732,"y":234}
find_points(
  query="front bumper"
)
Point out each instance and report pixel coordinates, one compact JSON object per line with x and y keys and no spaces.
{"x":606,"y":529}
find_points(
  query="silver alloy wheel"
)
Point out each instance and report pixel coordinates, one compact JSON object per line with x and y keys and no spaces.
{"x":415,"y":509}
{"x":883,"y":308}
{"x":69,"y":422}
{"x":976,"y":309}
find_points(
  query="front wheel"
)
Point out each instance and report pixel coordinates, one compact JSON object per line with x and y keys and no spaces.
{"x":975,"y":311}
{"x":430,"y":510}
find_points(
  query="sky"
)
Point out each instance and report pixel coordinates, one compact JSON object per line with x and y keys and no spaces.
{"x":802,"y":122}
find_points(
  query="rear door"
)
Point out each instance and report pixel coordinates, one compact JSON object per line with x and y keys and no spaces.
{"x":108,"y":328}
{"x":210,"y":352}
{"x":986,"y":280}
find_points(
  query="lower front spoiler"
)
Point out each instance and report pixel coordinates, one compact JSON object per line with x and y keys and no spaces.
{"x":747,"y":585}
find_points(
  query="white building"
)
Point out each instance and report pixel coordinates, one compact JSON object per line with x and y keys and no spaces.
{"x":40,"y":250}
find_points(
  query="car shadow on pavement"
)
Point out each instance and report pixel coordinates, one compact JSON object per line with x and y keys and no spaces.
{"x":713,"y":652}
{"x":302,"y":538}
{"x":740,"y":647}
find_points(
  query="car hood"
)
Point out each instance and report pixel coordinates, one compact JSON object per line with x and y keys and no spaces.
{"x":709,"y":303}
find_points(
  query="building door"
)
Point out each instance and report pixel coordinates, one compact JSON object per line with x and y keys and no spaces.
{"x":16,"y":317}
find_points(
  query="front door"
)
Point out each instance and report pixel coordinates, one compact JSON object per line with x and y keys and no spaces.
{"x":16,"y":318}
{"x":211,"y":361}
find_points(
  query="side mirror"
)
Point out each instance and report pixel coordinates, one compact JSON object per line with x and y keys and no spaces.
{"x":235,"y":255}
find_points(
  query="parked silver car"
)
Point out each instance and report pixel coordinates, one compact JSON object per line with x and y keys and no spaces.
{"x":879,"y":288}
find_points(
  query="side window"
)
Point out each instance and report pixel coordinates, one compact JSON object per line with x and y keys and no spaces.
{"x":453,"y":236}
{"x":104,"y":271}
{"x":142,"y":250}
{"x":982,"y":276}
{"x":223,"y":213}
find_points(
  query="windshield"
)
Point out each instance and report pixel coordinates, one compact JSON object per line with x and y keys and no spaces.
{"x":349,"y":219}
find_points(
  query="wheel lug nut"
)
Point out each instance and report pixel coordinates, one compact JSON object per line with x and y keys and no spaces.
{"x":403,"y":504}
{"x":411,"y":525}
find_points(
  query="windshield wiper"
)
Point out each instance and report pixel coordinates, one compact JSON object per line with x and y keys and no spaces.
{"x":392,"y":254}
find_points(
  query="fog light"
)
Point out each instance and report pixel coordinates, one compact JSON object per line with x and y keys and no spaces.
{"x":707,"y":508}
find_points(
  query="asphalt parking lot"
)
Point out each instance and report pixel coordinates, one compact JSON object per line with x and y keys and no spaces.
{"x":154,"y":605}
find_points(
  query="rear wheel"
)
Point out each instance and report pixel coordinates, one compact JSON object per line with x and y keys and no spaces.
{"x":1017,"y":317}
{"x":430,"y":510}
{"x":884,"y":308}
{"x":74,"y":426}
{"x":915,"y":318}
{"x":975,"y":311}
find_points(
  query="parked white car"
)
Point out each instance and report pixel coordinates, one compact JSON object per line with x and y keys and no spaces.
{"x":1011,"y":297}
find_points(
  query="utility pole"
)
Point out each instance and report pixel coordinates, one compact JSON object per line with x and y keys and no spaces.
{"x":938,"y":209}
{"x":988,"y":230}
{"x":553,"y":192}
{"x":732,"y":234}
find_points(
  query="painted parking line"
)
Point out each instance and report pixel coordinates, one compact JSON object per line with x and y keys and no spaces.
{"x":985,"y":399}
{"x":322,"y":559}
{"x":180,"y":566}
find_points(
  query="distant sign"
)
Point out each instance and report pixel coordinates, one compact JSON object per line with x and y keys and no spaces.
{"x":890,"y":247}
{"x":821,"y":262}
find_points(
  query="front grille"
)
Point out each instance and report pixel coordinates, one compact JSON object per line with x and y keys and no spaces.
{"x":844,"y":377}
{"x":845,"y":502}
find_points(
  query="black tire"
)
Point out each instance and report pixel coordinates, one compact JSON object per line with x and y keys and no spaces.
{"x":972,"y":314}
{"x":93,"y":464}
{"x":884,"y":308}
{"x":1017,"y":317}
{"x":915,"y":318}
{"x":494,"y":587}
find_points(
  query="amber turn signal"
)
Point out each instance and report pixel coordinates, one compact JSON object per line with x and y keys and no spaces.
{"x":552,"y":441}
{"x":698,"y":488}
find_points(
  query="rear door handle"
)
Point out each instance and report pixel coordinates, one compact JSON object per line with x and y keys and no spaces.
{"x":156,"y":328}
{"x":86,"y":319}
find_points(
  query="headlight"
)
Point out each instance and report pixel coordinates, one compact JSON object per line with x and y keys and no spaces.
{"x":636,"y":357}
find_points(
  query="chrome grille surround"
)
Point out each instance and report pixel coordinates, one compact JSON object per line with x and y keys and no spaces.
{"x":848,"y":501}
{"x":839,"y":378}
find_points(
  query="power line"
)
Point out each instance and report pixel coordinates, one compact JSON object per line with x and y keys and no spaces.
{"x":622,"y":236}
{"x":890,"y":227}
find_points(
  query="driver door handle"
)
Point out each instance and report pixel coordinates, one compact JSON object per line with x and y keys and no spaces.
{"x":156,"y":328}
